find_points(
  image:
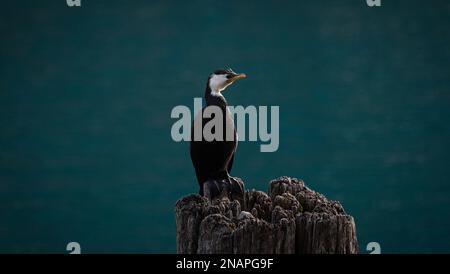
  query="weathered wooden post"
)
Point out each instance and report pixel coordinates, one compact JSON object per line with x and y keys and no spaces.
{"x":291,"y":218}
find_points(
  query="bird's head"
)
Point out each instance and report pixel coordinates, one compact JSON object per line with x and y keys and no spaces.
{"x":220,"y":79}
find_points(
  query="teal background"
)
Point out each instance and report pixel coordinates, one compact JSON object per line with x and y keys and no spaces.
{"x":86,"y":95}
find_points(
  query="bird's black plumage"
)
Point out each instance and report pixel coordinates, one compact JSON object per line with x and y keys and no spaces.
{"x":213,"y":160}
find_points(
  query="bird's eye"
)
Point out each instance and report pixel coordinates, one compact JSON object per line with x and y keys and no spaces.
{"x":230,"y":75}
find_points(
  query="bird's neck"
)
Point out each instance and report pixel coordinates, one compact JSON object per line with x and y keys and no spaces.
{"x":214,"y":98}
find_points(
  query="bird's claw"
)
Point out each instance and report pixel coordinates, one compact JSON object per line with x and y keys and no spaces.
{"x":231,"y":187}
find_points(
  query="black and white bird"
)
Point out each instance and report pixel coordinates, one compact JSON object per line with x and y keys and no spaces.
{"x":213,"y":159}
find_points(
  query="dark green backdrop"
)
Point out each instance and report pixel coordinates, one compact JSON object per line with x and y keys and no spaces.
{"x":86,"y":95}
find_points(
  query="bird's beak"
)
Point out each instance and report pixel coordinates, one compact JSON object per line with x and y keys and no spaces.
{"x":236,"y":77}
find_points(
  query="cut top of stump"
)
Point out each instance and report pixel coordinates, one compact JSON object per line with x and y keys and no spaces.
{"x":291,"y":218}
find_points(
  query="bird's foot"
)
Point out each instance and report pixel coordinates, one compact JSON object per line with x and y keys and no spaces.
{"x":236,"y":186}
{"x":212,"y":189}
{"x":231,"y":187}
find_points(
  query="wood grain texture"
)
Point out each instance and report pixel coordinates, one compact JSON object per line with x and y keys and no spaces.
{"x":290,"y":218}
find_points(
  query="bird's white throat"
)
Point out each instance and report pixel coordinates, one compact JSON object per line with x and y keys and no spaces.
{"x":217,"y":83}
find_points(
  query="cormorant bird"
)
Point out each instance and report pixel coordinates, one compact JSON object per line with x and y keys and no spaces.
{"x":213,"y":160}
